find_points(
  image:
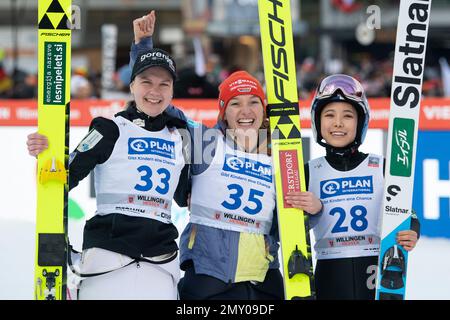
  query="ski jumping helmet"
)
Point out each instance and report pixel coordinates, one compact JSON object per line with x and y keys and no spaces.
{"x":340,"y":87}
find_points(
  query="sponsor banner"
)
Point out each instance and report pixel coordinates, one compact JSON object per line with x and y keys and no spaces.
{"x":155,"y":146}
{"x":402,"y":147}
{"x":109,"y":52}
{"x":150,"y":201}
{"x":431,"y":199}
{"x":348,"y":241}
{"x":290,"y":175}
{"x":237,"y":219}
{"x":434,"y":112}
{"x":395,"y":211}
{"x":229,"y":220}
{"x":248,"y":167}
{"x":54,"y":77}
{"x":143,"y":212}
{"x":346,"y":186}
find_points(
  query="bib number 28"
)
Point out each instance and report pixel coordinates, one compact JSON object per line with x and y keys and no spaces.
{"x":358,"y":223}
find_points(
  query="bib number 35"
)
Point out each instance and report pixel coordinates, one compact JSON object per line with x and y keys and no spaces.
{"x":236,"y":202}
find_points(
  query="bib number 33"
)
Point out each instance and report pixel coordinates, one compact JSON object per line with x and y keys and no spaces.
{"x":146,"y":181}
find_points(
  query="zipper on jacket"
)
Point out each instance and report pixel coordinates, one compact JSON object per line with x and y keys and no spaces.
{"x":346,"y":162}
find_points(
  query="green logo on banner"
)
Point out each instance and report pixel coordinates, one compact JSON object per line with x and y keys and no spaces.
{"x":402,"y":145}
{"x":54,"y":73}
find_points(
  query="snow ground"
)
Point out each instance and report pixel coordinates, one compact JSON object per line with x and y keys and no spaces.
{"x":429,"y":267}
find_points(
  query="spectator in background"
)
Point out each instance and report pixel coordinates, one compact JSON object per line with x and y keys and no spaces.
{"x":432,"y":82}
{"x":214,"y":69}
{"x":123,"y":76}
{"x":96,"y":82}
{"x":25,"y":86}
{"x":193,"y":82}
{"x":5,"y":83}
{"x":308,"y":75}
{"x":374,"y":84}
{"x":190,"y":85}
{"x":80,"y":86}
{"x":366,"y":67}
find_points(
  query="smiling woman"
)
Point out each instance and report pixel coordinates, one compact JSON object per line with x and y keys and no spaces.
{"x":233,"y":205}
{"x":229,"y":249}
{"x":129,"y":247}
{"x":152,"y":90}
{"x":350,"y":185}
{"x":152,"y":81}
{"x":242,"y":110}
{"x":338,"y":123}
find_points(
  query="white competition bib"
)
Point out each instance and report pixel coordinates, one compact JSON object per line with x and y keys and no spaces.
{"x":348,"y":226}
{"x":141,"y":175}
{"x":236,"y":192}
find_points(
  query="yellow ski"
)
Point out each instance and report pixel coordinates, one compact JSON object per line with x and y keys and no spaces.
{"x":54,"y":44}
{"x":283,"y":110}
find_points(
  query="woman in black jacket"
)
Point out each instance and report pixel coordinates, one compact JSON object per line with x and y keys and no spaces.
{"x":129,"y":247}
{"x":349,"y":184}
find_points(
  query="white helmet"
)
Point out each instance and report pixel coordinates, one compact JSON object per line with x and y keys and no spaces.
{"x":340,"y":87}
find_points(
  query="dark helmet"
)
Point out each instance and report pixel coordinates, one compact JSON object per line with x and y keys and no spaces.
{"x":340,"y":87}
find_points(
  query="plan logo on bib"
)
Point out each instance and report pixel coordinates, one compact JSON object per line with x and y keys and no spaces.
{"x":147,"y":146}
{"x":248,"y":167}
{"x":346,"y":186}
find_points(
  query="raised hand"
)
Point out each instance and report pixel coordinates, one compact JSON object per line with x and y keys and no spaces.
{"x":144,"y":27}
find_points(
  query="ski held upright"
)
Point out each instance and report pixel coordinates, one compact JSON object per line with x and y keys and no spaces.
{"x":287,"y":155}
{"x":54,"y":47}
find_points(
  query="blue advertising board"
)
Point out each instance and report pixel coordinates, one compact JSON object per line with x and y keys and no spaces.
{"x":431,"y":198}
